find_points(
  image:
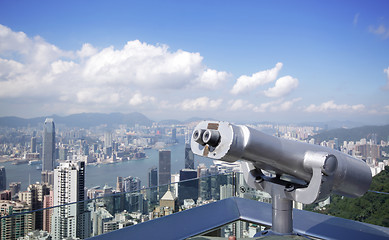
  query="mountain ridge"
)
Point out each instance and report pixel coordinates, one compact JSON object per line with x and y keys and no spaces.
{"x":83,"y":120}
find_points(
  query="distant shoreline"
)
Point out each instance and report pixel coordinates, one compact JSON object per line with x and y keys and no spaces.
{"x":5,"y":159}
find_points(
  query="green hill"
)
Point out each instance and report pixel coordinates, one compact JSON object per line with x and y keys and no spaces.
{"x":371,"y":208}
{"x":354,"y":134}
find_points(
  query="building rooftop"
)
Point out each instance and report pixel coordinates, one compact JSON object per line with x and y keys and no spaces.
{"x":168,"y":196}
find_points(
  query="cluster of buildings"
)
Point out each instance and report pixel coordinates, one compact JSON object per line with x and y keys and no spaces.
{"x":110,"y":209}
{"x":367,"y":150}
{"x":95,"y":211}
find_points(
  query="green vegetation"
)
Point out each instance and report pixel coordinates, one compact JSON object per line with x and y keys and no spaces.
{"x":371,"y":208}
{"x":354,"y":134}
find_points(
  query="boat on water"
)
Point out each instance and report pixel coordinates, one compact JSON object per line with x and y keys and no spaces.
{"x":34,"y":162}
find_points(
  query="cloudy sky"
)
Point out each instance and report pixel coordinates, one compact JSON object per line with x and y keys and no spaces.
{"x":283,"y":61}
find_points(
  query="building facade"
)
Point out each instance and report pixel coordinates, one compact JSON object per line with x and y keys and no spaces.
{"x":70,"y":221}
{"x":48,"y":157}
{"x":17,"y":226}
{"x":189,"y":157}
{"x":153,"y":177}
{"x":3,"y":179}
{"x":164,"y":167}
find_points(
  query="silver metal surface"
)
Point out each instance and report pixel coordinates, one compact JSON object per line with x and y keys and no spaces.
{"x":334,"y":171}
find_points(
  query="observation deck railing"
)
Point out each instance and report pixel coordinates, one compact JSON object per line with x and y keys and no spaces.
{"x":212,"y":206}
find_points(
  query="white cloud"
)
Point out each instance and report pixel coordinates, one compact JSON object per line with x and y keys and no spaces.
{"x":13,"y":41}
{"x":240,"y":104}
{"x":283,"y":86}
{"x":381,"y":30}
{"x":332,"y":106}
{"x":87,"y":50}
{"x":272,"y":106}
{"x":138,"y":99}
{"x":212,"y":79}
{"x":60,"y":66}
{"x":246,"y":83}
{"x":386,"y":87}
{"x":97,"y":95}
{"x":150,"y":66}
{"x":276,"y":106}
{"x":201,"y":103}
{"x":9,"y":69}
{"x":134,"y":75}
{"x":287,"y":105}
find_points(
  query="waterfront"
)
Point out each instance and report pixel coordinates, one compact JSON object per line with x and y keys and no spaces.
{"x":99,"y":175}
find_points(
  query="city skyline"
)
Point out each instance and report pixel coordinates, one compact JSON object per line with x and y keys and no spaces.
{"x":300,"y":61}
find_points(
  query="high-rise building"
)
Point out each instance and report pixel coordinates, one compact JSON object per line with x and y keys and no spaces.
{"x":204,"y":182}
{"x":152,"y":193}
{"x":5,"y":195}
{"x":47,"y":177}
{"x":188,"y":187}
{"x":164,"y":167}
{"x":189,"y":157}
{"x":33,"y":145}
{"x":14,"y":187}
{"x":3,"y":179}
{"x":48,"y":202}
{"x":174,"y":135}
{"x":35,"y":196}
{"x":48,"y":157}
{"x":107,"y":139}
{"x":70,"y":221}
{"x":63,"y":153}
{"x":153,"y":177}
{"x":17,"y":226}
{"x":108,"y":146}
{"x":131,"y":184}
{"x":119,"y":184}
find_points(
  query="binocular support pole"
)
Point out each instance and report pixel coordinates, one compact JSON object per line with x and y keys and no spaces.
{"x":282,"y":219}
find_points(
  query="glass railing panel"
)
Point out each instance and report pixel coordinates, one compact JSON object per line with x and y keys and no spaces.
{"x":372,"y":207}
{"x":239,"y":229}
{"x":108,"y":212}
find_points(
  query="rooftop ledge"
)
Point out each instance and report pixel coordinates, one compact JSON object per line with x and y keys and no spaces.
{"x":201,"y":219}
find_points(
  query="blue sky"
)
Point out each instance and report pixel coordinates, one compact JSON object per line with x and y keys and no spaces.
{"x":283,"y":61}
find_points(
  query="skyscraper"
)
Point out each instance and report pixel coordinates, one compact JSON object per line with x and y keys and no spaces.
{"x":131,"y":184}
{"x":34,"y":198}
{"x":188,"y":189}
{"x":3,"y":179}
{"x":189,"y":157}
{"x":119,"y":184}
{"x":174,"y":135}
{"x":70,"y":221}
{"x":164,"y":166}
{"x":48,"y":145}
{"x":153,"y":177}
{"x":33,"y":144}
{"x":153,"y":183}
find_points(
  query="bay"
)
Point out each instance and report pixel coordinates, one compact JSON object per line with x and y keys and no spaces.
{"x":106,"y":174}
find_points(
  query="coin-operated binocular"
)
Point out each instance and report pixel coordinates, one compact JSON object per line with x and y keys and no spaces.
{"x":299,"y":171}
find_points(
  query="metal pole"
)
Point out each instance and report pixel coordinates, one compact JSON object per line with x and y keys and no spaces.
{"x":282,"y":220}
